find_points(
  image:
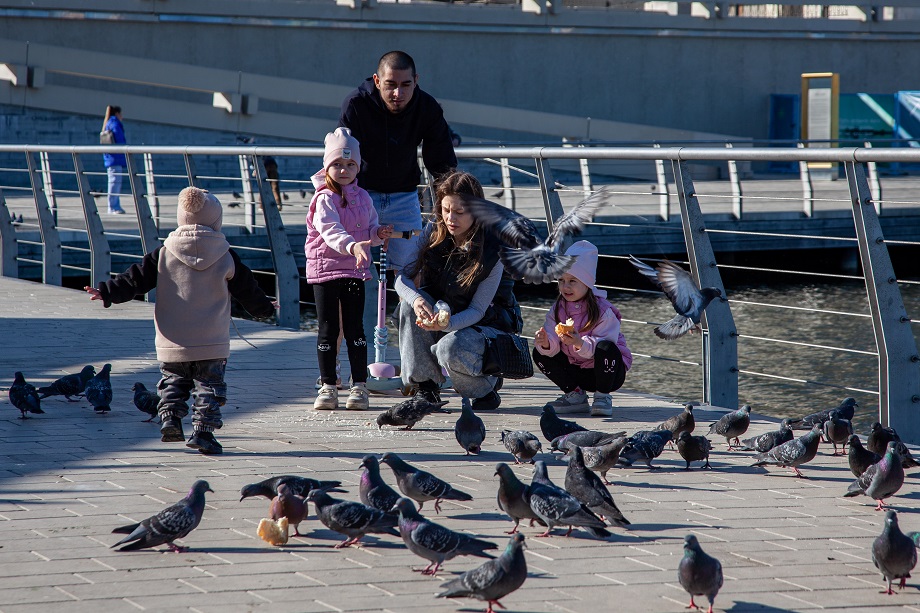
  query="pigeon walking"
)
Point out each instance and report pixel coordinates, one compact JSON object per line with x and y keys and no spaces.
{"x":894,"y":553}
{"x":694,"y":449}
{"x":299,"y":486}
{"x":794,"y":453}
{"x":583,"y":438}
{"x":879,"y":437}
{"x":174,"y":522}
{"x":493,"y":580}
{"x":470,"y":430}
{"x":523,"y":255}
{"x":686,"y":298}
{"x":602,"y":458}
{"x":99,"y":390}
{"x":521,"y":444}
{"x":289,"y":505}
{"x":409,"y":412}
{"x":699,"y":573}
{"x":512,"y":497}
{"x":24,"y":396}
{"x":645,"y":445}
{"x":69,"y":385}
{"x":881,"y":480}
{"x":419,"y":485}
{"x":373,"y":490}
{"x":556,"y":507}
{"x":682,"y":422}
{"x":145,"y":401}
{"x":732,"y":425}
{"x":434,"y":542}
{"x":846,"y":409}
{"x":837,"y":430}
{"x":553,"y":426}
{"x":353,"y":519}
{"x":859,"y":458}
{"x":769,"y":440}
{"x":588,"y":489}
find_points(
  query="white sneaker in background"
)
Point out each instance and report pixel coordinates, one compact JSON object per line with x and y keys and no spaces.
{"x":574,"y":402}
{"x":602,"y":405}
{"x":357,"y":398}
{"x":327,"y":399}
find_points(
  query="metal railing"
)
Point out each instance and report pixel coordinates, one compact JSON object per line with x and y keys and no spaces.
{"x":60,"y":214}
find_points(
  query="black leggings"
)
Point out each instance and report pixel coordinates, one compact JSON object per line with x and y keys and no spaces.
{"x":607,"y":376}
{"x":350,"y":294}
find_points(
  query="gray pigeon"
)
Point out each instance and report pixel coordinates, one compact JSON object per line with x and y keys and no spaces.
{"x":588,"y":489}
{"x":583,"y":438}
{"x":682,"y":422}
{"x":645,"y":445}
{"x":522,"y":444}
{"x":894,"y":553}
{"x":409,"y":412}
{"x":732,"y":425}
{"x":769,"y":440}
{"x":419,"y":485}
{"x":553,"y":426}
{"x":699,"y":573}
{"x":915,"y":537}
{"x":512,"y":497}
{"x":860,"y":458}
{"x":99,"y":390}
{"x":881,"y":480}
{"x":470,"y":431}
{"x":847,"y":409}
{"x":524,"y":256}
{"x":69,"y":385}
{"x":837,"y":430}
{"x":145,"y":401}
{"x":299,"y":486}
{"x":24,"y":396}
{"x":353,"y":519}
{"x":434,"y":542}
{"x":373,"y":490}
{"x":287,"y":504}
{"x":602,"y":458}
{"x":493,"y":580}
{"x":174,"y":522}
{"x":878,"y":440}
{"x":686,"y":298}
{"x":556,"y":507}
{"x":794,"y":453}
{"x":907,"y":460}
{"x":693,"y":449}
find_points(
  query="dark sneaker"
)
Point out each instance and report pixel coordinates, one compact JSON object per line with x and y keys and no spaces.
{"x":499,"y":383}
{"x":428,"y":390}
{"x":489,"y":402}
{"x":205,"y":443}
{"x":171,"y":430}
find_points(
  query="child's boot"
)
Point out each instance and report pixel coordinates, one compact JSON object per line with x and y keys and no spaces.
{"x":327,"y":399}
{"x":171,"y":428}
{"x":204,"y":442}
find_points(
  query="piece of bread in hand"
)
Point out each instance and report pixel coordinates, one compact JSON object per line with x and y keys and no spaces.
{"x":274,"y":532}
{"x":565,"y":328}
{"x":442,"y":318}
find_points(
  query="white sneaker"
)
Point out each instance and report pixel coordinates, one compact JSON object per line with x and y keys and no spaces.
{"x":574,"y":402}
{"x":338,"y":376}
{"x":327,"y":399}
{"x":602,"y":406}
{"x":357,"y":398}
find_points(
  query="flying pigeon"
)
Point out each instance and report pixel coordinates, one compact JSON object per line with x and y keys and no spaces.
{"x":469,"y":430}
{"x":353,"y":519}
{"x":686,"y":298}
{"x":524,"y":256}
{"x":287,"y":504}
{"x":99,"y":390}
{"x":69,"y":385}
{"x":512,"y":497}
{"x":583,"y":438}
{"x":299,"y":486}
{"x":409,"y":412}
{"x":699,"y":574}
{"x":846,"y":408}
{"x":174,"y":522}
{"x":860,"y":458}
{"x":602,"y":458}
{"x":373,"y":490}
{"x":553,"y":426}
{"x":837,"y":430}
{"x":682,"y":422}
{"x":434,"y":542}
{"x":420,"y":485}
{"x":493,"y":580}
{"x":732,"y":425}
{"x":645,"y":445}
{"x":693,"y":449}
{"x":522,"y":444}
{"x":145,"y":401}
{"x":24,"y":396}
{"x":769,"y":440}
{"x":556,"y":507}
{"x":881,"y":480}
{"x":894,"y":553}
{"x":588,"y":489}
{"x":794,"y":453}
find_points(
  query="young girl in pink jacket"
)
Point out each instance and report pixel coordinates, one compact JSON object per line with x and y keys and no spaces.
{"x":590,"y":354}
{"x":341,"y":228}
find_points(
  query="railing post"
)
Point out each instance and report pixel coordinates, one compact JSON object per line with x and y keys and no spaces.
{"x":100,"y":256}
{"x":47,"y":182}
{"x":808,"y":192}
{"x":151,"y":181}
{"x":720,"y":339}
{"x":898,"y":359}
{"x":507,"y":187}
{"x":51,"y":239}
{"x":9,"y":247}
{"x":875,"y":185}
{"x":664,"y":198}
{"x":737,"y":196}
{"x":249,"y":205}
{"x":191,"y":171}
{"x":146,"y":225}
{"x":287,"y":277}
{"x":551,"y":202}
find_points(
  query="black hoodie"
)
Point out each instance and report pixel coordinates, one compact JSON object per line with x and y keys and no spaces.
{"x":389,"y":141}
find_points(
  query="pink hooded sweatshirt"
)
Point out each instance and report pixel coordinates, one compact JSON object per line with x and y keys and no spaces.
{"x":607,"y":329}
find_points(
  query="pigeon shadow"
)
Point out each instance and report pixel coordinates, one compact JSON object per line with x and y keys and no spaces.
{"x":661,"y":527}
{"x":482,"y":517}
{"x":740,"y":606}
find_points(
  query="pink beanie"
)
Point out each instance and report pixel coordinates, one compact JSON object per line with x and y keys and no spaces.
{"x":341,"y":144}
{"x":198,"y":207}
{"x":585,"y":267}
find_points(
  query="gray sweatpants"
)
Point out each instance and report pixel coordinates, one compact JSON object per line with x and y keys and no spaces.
{"x":423,"y":353}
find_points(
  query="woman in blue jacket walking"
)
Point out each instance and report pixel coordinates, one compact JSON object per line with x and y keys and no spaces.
{"x":115,"y":163}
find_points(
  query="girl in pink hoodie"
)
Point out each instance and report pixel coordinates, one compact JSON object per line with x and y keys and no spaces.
{"x":341,"y":228}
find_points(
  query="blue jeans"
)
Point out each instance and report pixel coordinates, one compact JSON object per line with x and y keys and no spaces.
{"x":114,"y":173}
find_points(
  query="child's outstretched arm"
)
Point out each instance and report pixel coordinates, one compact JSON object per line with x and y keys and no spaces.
{"x":136,"y":281}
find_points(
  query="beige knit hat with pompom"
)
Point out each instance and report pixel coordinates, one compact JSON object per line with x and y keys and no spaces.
{"x":198,"y":207}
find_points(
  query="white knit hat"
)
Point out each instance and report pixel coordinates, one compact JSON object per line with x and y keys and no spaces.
{"x":341,"y":144}
{"x":197,"y":206}
{"x":585,"y":267}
